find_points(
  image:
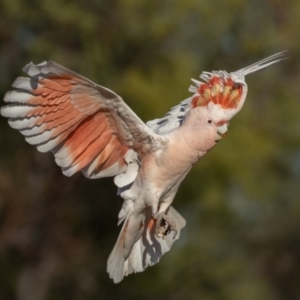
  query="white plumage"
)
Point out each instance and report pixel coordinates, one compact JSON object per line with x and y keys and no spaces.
{"x":89,"y":128}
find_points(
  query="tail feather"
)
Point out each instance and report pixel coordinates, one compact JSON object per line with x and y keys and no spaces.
{"x":116,"y":260}
{"x":132,"y":230}
{"x":146,"y":251}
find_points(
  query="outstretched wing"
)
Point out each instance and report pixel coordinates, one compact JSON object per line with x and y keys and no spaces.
{"x":87,"y":127}
{"x":173,"y":119}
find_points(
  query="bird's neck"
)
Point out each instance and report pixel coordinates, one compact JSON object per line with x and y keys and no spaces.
{"x":194,"y":134}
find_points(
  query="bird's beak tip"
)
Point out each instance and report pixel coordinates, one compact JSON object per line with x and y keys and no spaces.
{"x":221,"y":132}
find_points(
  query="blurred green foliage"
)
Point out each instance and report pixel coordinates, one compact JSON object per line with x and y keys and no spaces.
{"x":241,"y":202}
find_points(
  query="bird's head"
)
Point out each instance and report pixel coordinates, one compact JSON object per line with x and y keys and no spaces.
{"x":223,"y":94}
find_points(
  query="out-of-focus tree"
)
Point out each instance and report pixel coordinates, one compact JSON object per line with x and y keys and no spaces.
{"x":241,"y":201}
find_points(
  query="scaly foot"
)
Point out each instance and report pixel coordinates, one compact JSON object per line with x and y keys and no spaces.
{"x":164,"y":225}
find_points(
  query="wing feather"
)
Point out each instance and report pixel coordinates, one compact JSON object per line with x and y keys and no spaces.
{"x":87,"y":127}
{"x":88,"y":156}
{"x":173,"y":119}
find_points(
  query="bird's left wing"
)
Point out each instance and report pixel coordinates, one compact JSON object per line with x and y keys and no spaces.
{"x":87,"y":127}
{"x":173,"y":119}
{"x":176,"y":116}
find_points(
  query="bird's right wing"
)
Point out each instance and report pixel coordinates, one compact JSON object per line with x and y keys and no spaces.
{"x":88,"y":127}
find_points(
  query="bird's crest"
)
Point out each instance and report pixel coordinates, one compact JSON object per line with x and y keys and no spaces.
{"x":227,"y":90}
{"x":218,"y":90}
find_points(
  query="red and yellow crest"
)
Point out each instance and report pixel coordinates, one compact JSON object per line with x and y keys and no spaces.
{"x":223,"y":91}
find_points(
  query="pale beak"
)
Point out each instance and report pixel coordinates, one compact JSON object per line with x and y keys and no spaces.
{"x":221,"y":132}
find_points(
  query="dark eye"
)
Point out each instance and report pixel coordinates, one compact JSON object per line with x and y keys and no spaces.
{"x":209,"y":121}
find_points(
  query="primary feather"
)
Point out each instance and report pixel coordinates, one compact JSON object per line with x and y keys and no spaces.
{"x":89,"y":128}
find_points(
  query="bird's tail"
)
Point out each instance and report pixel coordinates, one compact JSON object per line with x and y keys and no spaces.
{"x":138,"y":246}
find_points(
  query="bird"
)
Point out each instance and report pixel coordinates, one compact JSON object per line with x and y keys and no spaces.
{"x":89,"y":128}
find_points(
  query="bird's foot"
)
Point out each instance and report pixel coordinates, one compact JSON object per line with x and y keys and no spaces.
{"x":164,"y":225}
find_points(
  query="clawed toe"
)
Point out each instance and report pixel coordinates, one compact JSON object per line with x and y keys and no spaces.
{"x":164,"y":226}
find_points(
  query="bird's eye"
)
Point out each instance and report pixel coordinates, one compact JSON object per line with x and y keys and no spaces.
{"x":209,"y":121}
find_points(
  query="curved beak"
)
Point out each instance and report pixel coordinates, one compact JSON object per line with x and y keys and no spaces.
{"x":221,"y":132}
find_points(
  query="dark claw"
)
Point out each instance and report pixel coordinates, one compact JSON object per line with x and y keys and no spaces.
{"x":164,"y":226}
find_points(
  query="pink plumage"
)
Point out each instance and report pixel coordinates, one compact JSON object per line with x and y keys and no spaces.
{"x":89,"y":128}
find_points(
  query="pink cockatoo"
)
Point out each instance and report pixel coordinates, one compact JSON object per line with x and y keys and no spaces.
{"x":89,"y":128}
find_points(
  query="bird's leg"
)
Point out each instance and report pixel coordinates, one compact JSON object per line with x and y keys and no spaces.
{"x":164,"y":225}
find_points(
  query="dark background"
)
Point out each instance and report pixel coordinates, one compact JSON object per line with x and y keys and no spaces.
{"x":241,"y":202}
